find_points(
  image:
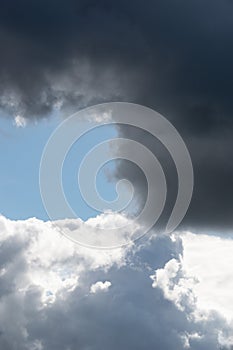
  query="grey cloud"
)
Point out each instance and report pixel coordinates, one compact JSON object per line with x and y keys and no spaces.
{"x":211,"y":205}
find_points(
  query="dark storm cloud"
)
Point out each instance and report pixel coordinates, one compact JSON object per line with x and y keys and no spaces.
{"x":211,"y":205}
{"x":175,"y":57}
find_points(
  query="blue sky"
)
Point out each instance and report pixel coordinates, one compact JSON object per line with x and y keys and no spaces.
{"x":20,"y":152}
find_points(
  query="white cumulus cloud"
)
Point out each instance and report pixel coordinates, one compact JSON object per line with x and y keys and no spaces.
{"x":100,"y":287}
{"x":53,"y":292}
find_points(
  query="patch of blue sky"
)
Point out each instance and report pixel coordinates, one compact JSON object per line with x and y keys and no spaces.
{"x":105,"y":187}
{"x":20,"y":154}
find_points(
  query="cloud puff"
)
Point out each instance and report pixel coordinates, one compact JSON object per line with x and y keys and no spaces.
{"x":20,"y":121}
{"x":108,"y":229}
{"x":100,"y":286}
{"x":175,"y":284}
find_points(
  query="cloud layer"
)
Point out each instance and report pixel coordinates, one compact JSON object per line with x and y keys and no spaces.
{"x":57,"y":295}
{"x":167,"y":55}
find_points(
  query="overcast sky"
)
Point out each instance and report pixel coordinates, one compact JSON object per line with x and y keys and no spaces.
{"x":165,"y":291}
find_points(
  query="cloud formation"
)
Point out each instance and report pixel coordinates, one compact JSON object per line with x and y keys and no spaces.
{"x":52,"y":293}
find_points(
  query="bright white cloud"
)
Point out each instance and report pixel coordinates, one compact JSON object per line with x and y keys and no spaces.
{"x":176,"y":285}
{"x":100,"y":287}
{"x":210,"y":260}
{"x":108,"y":229}
{"x":20,"y":121}
{"x":201,"y":281}
{"x":53,"y":262}
{"x":204,"y":273}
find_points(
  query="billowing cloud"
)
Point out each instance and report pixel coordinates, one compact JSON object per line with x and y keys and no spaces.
{"x":201,"y":277}
{"x":57,"y":295}
{"x":200,"y":281}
